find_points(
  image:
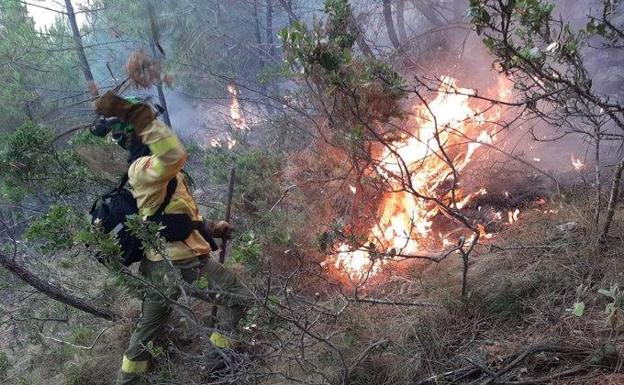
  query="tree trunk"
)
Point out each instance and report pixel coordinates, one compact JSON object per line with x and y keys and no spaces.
{"x":269,"y":28}
{"x":271,"y":41}
{"x":387,"y":11}
{"x":256,"y":19}
{"x":401,"y":21}
{"x":428,"y":12}
{"x":257,"y":24}
{"x":613,"y":199}
{"x":55,"y":292}
{"x":287,"y":5}
{"x":158,"y":55}
{"x":260,"y":52}
{"x":598,"y":179}
{"x":82,"y":57}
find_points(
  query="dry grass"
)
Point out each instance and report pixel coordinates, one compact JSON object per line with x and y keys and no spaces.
{"x":519,"y":293}
{"x":521,"y":287}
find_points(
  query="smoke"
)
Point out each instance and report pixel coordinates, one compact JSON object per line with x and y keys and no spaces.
{"x":198,"y":120}
{"x":455,"y":49}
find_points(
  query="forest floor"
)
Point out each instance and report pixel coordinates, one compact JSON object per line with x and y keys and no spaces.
{"x":521,"y":323}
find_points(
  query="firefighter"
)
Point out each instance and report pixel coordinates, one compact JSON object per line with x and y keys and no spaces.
{"x":157,"y":156}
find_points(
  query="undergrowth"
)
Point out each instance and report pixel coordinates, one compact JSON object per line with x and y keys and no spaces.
{"x":523,"y":287}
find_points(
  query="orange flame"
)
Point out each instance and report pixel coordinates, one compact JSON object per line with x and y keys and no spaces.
{"x":576,"y":163}
{"x":512,"y":216}
{"x":236,"y":113}
{"x":438,"y":144}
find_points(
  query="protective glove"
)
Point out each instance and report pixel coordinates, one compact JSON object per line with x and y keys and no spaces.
{"x":223,"y":230}
{"x":139,"y":115}
{"x":104,"y":125}
{"x":220,"y":229}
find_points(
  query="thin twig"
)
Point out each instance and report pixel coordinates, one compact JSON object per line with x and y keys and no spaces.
{"x":78,"y":346}
{"x":375,"y":301}
{"x":282,"y":197}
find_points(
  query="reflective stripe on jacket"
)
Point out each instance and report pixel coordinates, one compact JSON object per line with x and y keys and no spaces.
{"x":149,"y":176}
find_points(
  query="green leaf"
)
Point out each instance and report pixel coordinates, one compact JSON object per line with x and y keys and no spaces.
{"x":578,"y":309}
{"x":606,"y":293}
{"x":202,"y":283}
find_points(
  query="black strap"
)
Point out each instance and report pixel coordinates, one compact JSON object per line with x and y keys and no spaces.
{"x":171,"y":188}
{"x":122,"y":182}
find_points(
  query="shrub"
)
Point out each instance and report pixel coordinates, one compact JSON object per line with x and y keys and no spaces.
{"x":248,"y":252}
{"x":54,"y":230}
{"x":29,"y":164}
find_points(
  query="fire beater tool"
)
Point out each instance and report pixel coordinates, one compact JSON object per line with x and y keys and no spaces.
{"x":223,"y":251}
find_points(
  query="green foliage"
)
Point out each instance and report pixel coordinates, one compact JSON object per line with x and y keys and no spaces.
{"x":248,"y":252}
{"x":30,"y":164}
{"x":325,"y":54}
{"x":578,"y":309}
{"x":595,"y":27}
{"x":534,"y":39}
{"x":27,"y":379}
{"x":339,"y":12}
{"x":604,"y":354}
{"x":255,"y":171}
{"x":54,"y":230}
{"x":147,"y":232}
{"x":256,"y":191}
{"x":18,"y":39}
{"x":507,"y":299}
{"x":154,"y":350}
{"x":325,"y":240}
{"x":364,"y":92}
{"x":34,"y":64}
{"x":24,"y":155}
{"x":82,"y":335}
{"x":86,"y":138}
{"x":533,"y":13}
{"x":66,"y":264}
{"x":218,"y":161}
{"x":75,"y":375}
{"x":202,"y":283}
{"x":225,"y":34}
{"x":94,"y":238}
{"x":88,"y":371}
{"x":79,"y":335}
{"x":615,"y":308}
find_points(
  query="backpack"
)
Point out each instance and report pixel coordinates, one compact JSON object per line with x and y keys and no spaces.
{"x":111,"y":210}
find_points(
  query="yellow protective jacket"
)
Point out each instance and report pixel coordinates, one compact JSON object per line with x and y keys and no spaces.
{"x":149,"y":175}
